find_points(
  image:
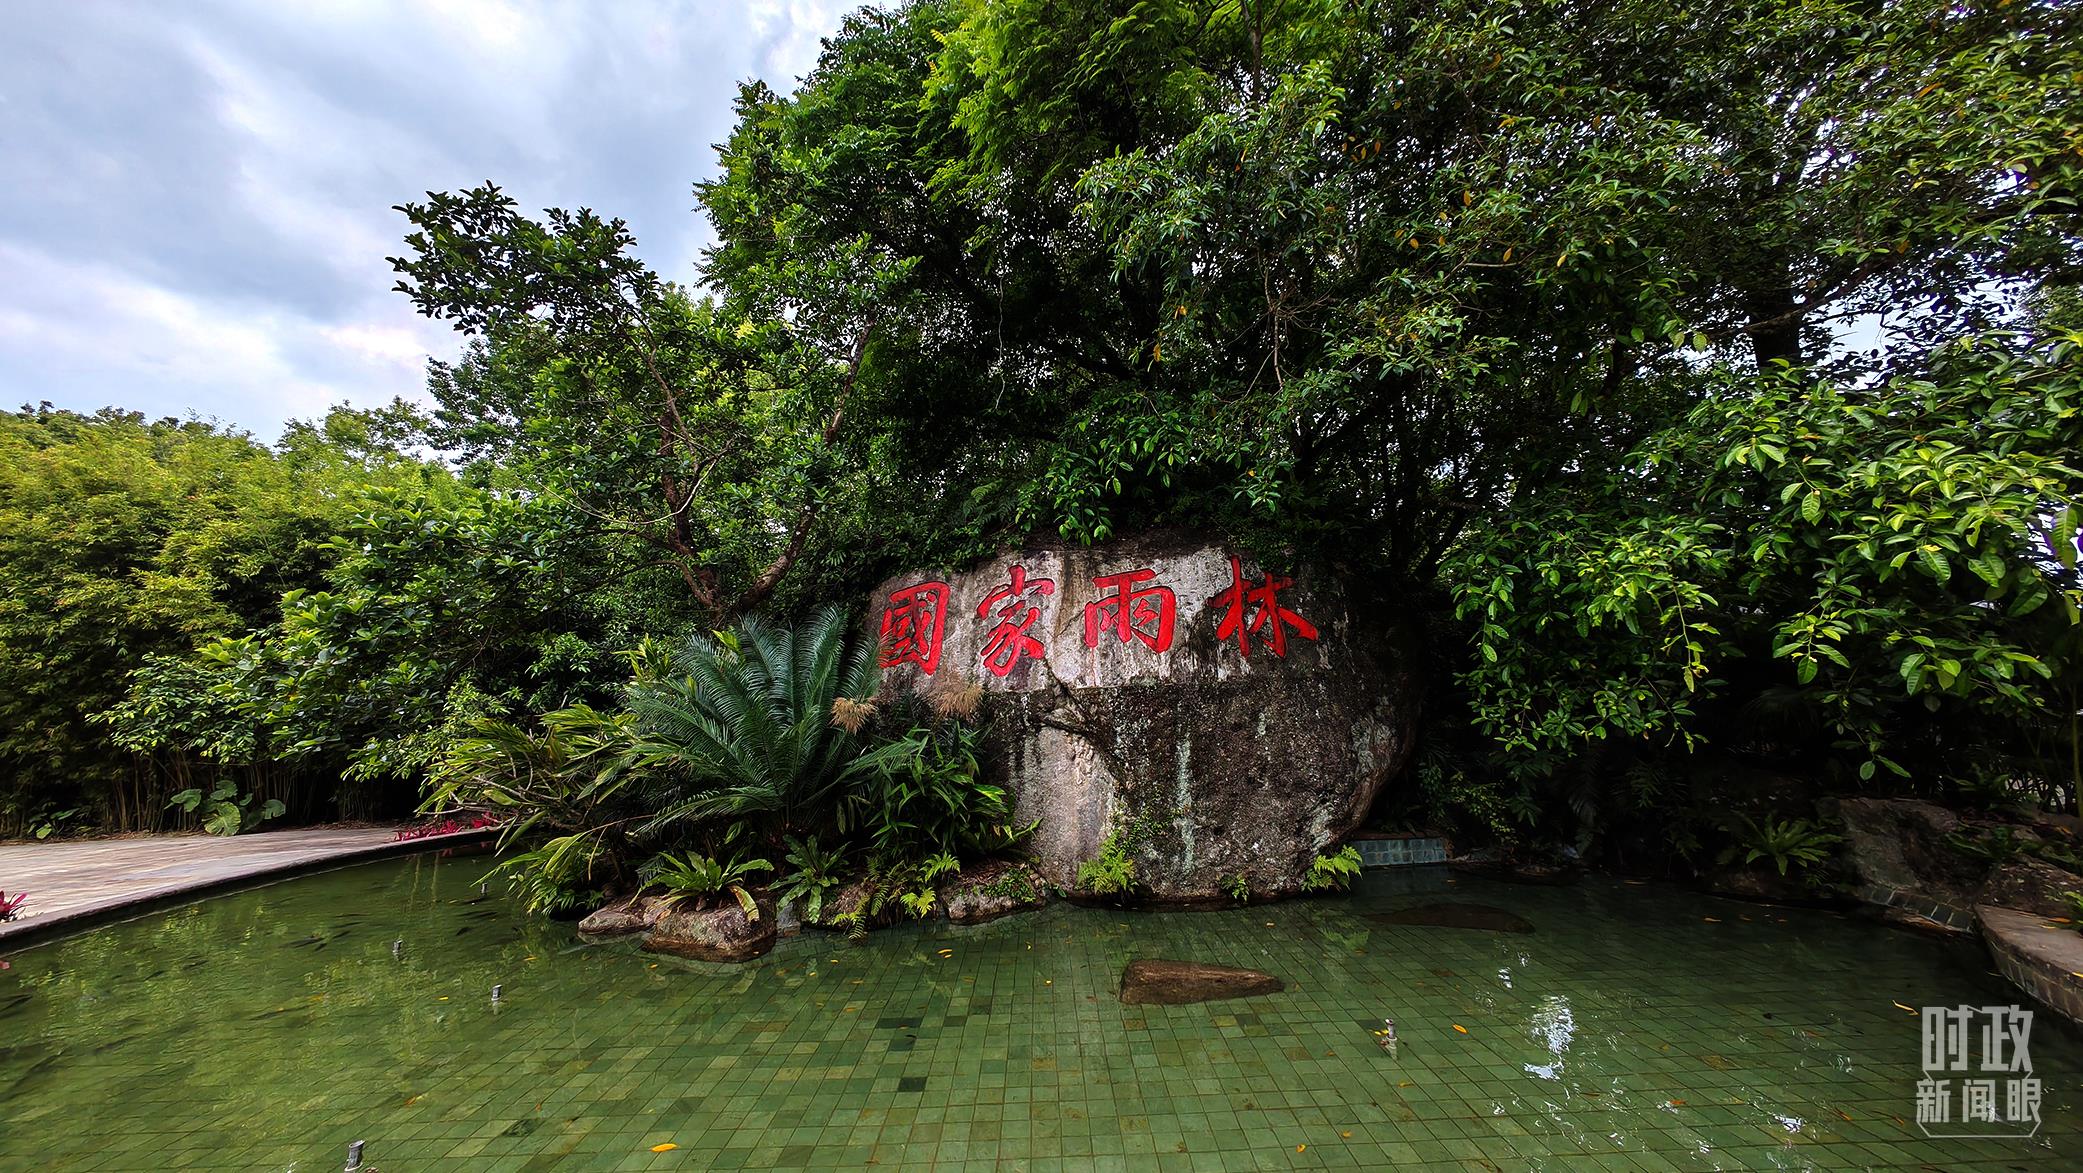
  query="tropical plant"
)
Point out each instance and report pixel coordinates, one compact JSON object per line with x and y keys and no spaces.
{"x":49,"y":820}
{"x":1237,"y":888}
{"x":1113,"y":871}
{"x":702,"y":877}
{"x":569,"y":781}
{"x":923,"y":796}
{"x":1334,"y":872}
{"x":225,"y":811}
{"x":9,"y":905}
{"x":1786,"y":842}
{"x":559,"y":874}
{"x":1994,"y":845}
{"x":814,"y":873}
{"x":740,"y":730}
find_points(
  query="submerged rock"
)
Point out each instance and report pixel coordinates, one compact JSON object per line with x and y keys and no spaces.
{"x":994,"y":888}
{"x":623,"y":917}
{"x":715,"y":934}
{"x":1449,"y":915}
{"x":1176,"y":983}
{"x":1225,"y":717}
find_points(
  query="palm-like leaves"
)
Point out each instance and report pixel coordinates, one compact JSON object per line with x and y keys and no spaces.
{"x":743,"y":726}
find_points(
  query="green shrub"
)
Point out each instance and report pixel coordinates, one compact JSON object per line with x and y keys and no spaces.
{"x":1333,"y":873}
{"x":1786,"y":842}
{"x":701,"y":878}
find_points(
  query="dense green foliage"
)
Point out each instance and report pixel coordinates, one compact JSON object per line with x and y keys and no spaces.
{"x":1706,"y":382}
{"x":123,"y":544}
{"x":762,"y":739}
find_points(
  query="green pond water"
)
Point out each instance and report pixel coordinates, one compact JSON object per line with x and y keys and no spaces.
{"x":266,"y":1030}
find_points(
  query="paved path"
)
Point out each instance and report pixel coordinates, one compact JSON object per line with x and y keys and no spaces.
{"x":76,"y":881}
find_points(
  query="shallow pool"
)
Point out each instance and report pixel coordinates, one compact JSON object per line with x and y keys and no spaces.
{"x":1636,"y":1027}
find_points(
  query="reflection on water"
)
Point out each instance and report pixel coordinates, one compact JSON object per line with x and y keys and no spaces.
{"x":399,"y":1003}
{"x":1554,"y":1026}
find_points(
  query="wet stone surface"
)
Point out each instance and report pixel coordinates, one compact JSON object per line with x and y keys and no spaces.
{"x":1179,"y":983}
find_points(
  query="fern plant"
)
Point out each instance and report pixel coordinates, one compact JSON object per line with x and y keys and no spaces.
{"x":1333,"y":873}
{"x":1113,"y":871}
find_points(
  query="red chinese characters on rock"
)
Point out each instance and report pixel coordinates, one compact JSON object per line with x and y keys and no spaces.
{"x":913,"y":624}
{"x":1132,"y":612}
{"x":1242,"y":597}
{"x":1009,"y":642}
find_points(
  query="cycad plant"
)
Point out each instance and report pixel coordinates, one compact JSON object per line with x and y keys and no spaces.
{"x":563,"y":788}
{"x":756,"y":727}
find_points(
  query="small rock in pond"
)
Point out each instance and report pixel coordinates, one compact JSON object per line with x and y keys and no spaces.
{"x":1456,"y":916}
{"x":1175,"y":983}
{"x":714,"y":934}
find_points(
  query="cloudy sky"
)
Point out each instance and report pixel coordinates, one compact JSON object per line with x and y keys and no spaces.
{"x":197,"y":195}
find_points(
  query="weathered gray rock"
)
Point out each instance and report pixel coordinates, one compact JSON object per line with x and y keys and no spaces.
{"x":2031,"y":885}
{"x":623,"y":917}
{"x":1131,"y":702}
{"x":723,"y":933}
{"x":1176,"y":983}
{"x":994,"y":888}
{"x":1900,"y":845}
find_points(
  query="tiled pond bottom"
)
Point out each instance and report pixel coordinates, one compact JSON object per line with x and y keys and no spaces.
{"x":1629,"y":1031}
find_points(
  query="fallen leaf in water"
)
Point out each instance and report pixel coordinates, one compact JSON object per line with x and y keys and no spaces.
{"x":1900,"y":1006}
{"x":1459,"y":1027}
{"x":1712,"y":920}
{"x":664,"y":1148}
{"x":1346,"y":1135}
{"x":1843,"y":1115}
{"x":1405,"y":1083}
{"x":1048,"y":981}
{"x":442,"y":998}
{"x":1300,"y":1147}
{"x":1675,"y":1103}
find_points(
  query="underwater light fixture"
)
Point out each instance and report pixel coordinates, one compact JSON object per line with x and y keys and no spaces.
{"x":354,"y":1157}
{"x":398,"y":947}
{"x":495,"y":992}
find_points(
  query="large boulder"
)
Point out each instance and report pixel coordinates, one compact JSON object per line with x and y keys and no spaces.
{"x":1224,"y":717}
{"x":723,"y":933}
{"x":1903,"y":845}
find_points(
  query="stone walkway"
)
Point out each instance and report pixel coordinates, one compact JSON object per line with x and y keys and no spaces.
{"x":80,"y":881}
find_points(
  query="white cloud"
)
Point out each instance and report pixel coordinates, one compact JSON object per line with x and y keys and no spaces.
{"x":204,"y":204}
